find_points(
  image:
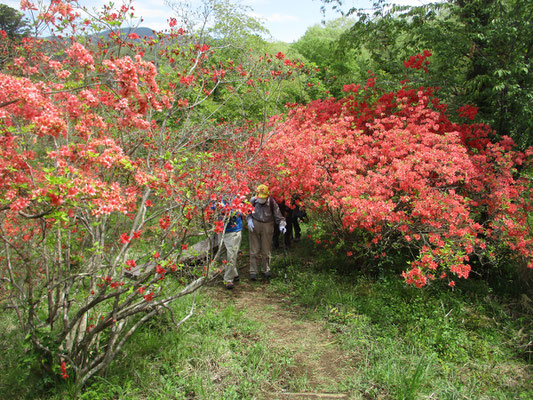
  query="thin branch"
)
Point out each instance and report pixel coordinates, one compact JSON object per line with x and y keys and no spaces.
{"x":35,"y":216}
{"x":7,"y":103}
{"x":191,"y":313}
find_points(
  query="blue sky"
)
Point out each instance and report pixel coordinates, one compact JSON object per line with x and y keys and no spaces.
{"x":287,"y":20}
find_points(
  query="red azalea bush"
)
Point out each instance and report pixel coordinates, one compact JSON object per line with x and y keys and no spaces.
{"x":91,"y":189}
{"x":105,"y":167}
{"x":393,"y":168}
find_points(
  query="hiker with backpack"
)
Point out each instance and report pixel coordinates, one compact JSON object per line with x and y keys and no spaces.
{"x":229,"y":243}
{"x":261,"y":222}
{"x":294,"y":213}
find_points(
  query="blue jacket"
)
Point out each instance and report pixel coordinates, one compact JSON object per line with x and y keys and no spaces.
{"x":235,"y":222}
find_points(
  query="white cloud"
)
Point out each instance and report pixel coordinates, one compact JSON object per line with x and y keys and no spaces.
{"x":412,"y":2}
{"x":282,"y":18}
{"x":274,"y":18}
{"x":253,"y":3}
{"x":155,"y":14}
{"x":12,"y":3}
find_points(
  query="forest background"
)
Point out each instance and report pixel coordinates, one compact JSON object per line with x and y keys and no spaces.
{"x":405,"y":132}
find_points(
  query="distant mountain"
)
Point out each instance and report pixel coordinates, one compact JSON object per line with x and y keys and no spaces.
{"x":142,"y":32}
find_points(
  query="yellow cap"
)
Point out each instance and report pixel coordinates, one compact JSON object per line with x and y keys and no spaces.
{"x":262,"y":191}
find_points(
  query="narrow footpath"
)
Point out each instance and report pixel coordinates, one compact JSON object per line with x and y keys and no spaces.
{"x":318,"y":364}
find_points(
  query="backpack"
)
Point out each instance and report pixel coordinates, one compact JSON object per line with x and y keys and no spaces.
{"x":270,"y":203}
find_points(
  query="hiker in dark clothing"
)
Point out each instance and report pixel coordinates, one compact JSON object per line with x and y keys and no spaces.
{"x":287,"y":212}
{"x":298,"y":215}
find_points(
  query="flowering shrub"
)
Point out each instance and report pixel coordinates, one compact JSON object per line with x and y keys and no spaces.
{"x":105,"y":169}
{"x":392,"y":167}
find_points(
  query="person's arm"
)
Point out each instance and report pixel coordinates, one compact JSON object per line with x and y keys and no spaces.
{"x":278,"y":217}
{"x":249,"y":219}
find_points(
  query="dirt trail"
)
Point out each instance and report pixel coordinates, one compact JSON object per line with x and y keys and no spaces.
{"x":318,"y":362}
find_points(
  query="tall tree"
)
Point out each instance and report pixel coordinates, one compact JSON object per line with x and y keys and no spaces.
{"x":498,"y":75}
{"x":12,"y":21}
{"x":235,"y":40}
{"x":481,"y":54}
{"x":319,"y":45}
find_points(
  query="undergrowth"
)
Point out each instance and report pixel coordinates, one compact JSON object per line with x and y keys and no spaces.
{"x":408,"y":343}
{"x":402,"y":342}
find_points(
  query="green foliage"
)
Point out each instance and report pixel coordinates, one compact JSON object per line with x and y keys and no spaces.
{"x":12,"y":21}
{"x":13,"y":372}
{"x":498,"y":77}
{"x":218,"y":354}
{"x":403,"y":342}
{"x":263,"y":95}
{"x":223,"y":21}
{"x":410,"y":342}
{"x":481,"y":55}
{"x":319,"y":45}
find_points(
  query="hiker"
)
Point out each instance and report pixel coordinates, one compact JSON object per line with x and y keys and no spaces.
{"x":261,"y":226}
{"x":298,"y":214}
{"x":231,"y":243}
{"x":287,"y":213}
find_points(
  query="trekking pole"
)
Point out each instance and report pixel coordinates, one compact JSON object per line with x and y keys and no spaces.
{"x":284,"y":257}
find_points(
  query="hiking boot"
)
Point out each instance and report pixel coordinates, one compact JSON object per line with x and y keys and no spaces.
{"x":236,"y":279}
{"x":253,"y":277}
{"x":229,"y":285}
{"x":267,"y":275}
